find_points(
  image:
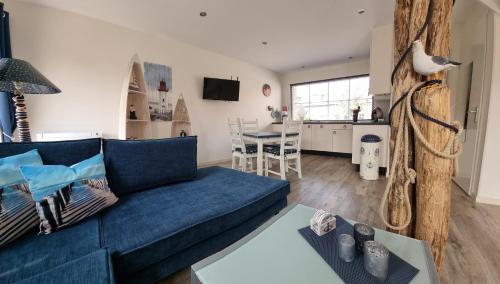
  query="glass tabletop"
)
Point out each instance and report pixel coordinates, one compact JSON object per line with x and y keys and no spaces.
{"x":277,"y":253}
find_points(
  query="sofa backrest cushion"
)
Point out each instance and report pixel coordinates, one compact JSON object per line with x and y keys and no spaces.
{"x":56,"y":153}
{"x":139,"y":165}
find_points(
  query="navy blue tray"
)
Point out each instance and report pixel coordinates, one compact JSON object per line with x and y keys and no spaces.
{"x":400,"y":271}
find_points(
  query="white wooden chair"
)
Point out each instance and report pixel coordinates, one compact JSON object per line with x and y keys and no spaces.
{"x":245,"y":153}
{"x":287,"y":151}
{"x":250,"y":125}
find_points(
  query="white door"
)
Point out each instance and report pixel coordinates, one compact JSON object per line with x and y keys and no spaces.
{"x":468,"y":162}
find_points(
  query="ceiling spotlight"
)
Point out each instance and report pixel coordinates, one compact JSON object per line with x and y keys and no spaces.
{"x":203,"y":14}
{"x":361,"y":11}
{"x":264,"y":43}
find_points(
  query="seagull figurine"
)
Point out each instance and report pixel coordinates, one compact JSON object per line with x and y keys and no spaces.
{"x":426,"y":65}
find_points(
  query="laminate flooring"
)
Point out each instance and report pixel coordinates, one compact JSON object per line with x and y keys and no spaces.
{"x":472,"y":252}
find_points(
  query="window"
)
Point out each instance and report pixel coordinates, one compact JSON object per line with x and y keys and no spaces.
{"x":332,"y":99}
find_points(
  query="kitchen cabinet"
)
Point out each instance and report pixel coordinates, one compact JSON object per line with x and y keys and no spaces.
{"x":381,"y":59}
{"x":342,"y":138}
{"x":325,"y":137}
{"x":322,"y":137}
{"x":306,"y":142}
{"x":277,"y":127}
{"x":383,"y":131}
{"x":342,"y":141}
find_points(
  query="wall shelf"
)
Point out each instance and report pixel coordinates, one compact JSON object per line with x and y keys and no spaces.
{"x":180,"y":119}
{"x":134,"y":93}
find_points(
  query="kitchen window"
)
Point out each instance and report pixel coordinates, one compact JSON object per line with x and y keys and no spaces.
{"x":331,"y":99}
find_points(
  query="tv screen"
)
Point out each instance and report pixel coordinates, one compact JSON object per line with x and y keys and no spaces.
{"x":220,"y":89}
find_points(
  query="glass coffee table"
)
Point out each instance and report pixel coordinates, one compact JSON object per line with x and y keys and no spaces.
{"x":277,"y":253}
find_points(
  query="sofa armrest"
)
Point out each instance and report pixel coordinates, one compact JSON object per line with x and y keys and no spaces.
{"x":95,"y":267}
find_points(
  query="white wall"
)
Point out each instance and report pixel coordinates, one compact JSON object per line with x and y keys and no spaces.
{"x":489,"y":190}
{"x":357,"y":67}
{"x":88,"y":60}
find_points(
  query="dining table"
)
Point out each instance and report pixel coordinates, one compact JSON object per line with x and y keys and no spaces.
{"x":261,"y":137}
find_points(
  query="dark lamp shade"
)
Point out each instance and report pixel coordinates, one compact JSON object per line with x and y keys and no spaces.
{"x":28,"y":79}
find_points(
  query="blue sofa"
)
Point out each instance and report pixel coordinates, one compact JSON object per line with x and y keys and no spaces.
{"x":169,"y":216}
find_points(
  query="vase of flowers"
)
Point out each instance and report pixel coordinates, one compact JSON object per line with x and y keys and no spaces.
{"x":355,"y":113}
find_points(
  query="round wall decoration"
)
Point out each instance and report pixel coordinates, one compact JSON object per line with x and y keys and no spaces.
{"x":266,"y":90}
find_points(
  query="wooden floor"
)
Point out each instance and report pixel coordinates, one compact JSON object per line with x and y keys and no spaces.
{"x":473,"y":251}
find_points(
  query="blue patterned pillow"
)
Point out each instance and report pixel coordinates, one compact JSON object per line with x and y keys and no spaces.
{"x":66,"y":195}
{"x":10,"y":174}
{"x":17,"y":208}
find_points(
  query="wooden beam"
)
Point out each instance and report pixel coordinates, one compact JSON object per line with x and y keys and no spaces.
{"x":433,"y":173}
{"x":409,"y":16}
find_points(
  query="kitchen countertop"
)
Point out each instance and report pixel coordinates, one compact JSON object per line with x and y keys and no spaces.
{"x":360,"y":122}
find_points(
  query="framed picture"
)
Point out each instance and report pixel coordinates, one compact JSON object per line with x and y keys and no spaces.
{"x":159,"y":88}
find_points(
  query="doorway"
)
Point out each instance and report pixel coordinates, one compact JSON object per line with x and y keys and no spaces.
{"x":471,"y":39}
{"x":474,"y":72}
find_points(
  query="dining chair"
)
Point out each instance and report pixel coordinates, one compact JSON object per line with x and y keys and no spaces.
{"x":244,"y":152}
{"x":250,"y":125}
{"x":287,"y":151}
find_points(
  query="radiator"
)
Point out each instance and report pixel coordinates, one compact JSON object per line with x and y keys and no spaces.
{"x":61,"y":136}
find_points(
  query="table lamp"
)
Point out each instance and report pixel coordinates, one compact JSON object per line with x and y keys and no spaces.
{"x":19,"y":77}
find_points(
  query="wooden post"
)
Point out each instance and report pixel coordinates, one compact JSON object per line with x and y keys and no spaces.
{"x":434,"y":173}
{"x":409,"y":16}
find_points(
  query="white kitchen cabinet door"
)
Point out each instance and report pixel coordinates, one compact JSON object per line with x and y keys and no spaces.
{"x":322,"y":137}
{"x":306,"y":143}
{"x":342,"y":141}
{"x":381,"y":58}
{"x":277,"y":127}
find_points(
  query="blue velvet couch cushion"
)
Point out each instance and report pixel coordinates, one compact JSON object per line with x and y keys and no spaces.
{"x":95,"y":268}
{"x":203,"y":249}
{"x":64,"y":153}
{"x":31,"y":255}
{"x":147,"y":227}
{"x":139,"y":165}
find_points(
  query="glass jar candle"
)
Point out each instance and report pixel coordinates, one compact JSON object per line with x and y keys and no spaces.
{"x":376,"y":259}
{"x":363,"y":233}
{"x":346,"y":248}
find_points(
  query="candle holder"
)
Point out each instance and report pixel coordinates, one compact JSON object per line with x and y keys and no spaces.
{"x":363,"y":233}
{"x":346,"y":248}
{"x":376,"y":259}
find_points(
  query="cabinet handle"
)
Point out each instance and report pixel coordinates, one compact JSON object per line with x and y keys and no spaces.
{"x":321,"y":126}
{"x":309,"y":126}
{"x":345,"y":126}
{"x":334,"y":132}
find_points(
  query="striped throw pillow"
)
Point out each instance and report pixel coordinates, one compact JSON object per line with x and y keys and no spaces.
{"x":17,"y":208}
{"x":66,"y":195}
{"x":17,"y":214}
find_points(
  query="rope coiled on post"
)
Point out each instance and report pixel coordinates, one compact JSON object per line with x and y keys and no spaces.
{"x":406,"y":120}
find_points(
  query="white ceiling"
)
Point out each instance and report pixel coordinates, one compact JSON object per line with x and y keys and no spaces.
{"x":300,"y":32}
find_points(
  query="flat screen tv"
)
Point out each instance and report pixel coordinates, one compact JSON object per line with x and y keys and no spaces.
{"x":221,"y":89}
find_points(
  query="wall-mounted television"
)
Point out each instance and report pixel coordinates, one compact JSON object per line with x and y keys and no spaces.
{"x":221,"y":89}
